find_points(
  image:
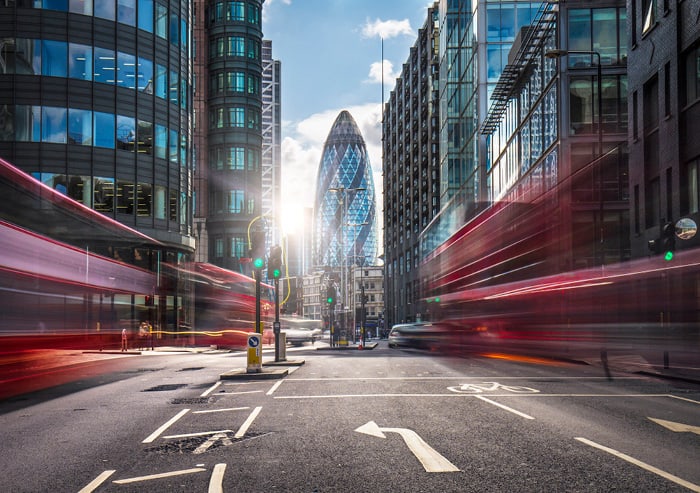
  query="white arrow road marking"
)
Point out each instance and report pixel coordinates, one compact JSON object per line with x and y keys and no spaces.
{"x":158,"y":476}
{"x":225,"y":440}
{"x":643,"y":465}
{"x":677,"y":427}
{"x":432,"y":461}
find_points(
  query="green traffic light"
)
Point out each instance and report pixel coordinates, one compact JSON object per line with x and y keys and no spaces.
{"x":668,"y":256}
{"x":258,"y":263}
{"x":330,"y":300}
{"x":276,"y":273}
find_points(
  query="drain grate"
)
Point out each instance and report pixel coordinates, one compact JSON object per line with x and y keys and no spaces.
{"x":160,"y":388}
{"x":192,"y":400}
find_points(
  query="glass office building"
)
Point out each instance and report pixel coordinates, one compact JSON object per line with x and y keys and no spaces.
{"x":345,"y":230}
{"x":95,"y":102}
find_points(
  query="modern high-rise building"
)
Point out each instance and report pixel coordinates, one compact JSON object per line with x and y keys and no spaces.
{"x":229,"y":132}
{"x":271,"y":165}
{"x":345,"y":230}
{"x":411,"y":169}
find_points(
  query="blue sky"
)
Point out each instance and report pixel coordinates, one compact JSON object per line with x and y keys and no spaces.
{"x":331,"y":53}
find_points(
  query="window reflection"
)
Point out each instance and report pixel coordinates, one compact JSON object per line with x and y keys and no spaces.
{"x":172,"y":146}
{"x":160,"y":202}
{"x":145,"y":76}
{"x":145,"y":137}
{"x":28,"y":123}
{"x":146,"y":15}
{"x":161,"y":81}
{"x":161,"y":21}
{"x":81,"y":7}
{"x":126,"y":12}
{"x":53,"y":124}
{"x":79,"y":127}
{"x":80,"y":61}
{"x":105,"y":9}
{"x":161,"y":141}
{"x":126,"y":133}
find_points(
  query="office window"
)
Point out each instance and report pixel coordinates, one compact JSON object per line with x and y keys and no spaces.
{"x":104,"y":66}
{"x":161,"y":82}
{"x":54,"y":56}
{"x":692,"y":195}
{"x":159,"y":202}
{"x":126,"y":70}
{"x":126,"y":133}
{"x":145,"y":15}
{"x":145,"y":76}
{"x":161,"y":21}
{"x":126,"y":11}
{"x":54,"y":124}
{"x":236,"y":46}
{"x":105,"y":9}
{"x":80,"y":61}
{"x":235,"y":11}
{"x":173,"y":87}
{"x":80,"y":7}
{"x":79,"y":127}
{"x":236,"y":117}
{"x":236,"y":158}
{"x":103,"y":129}
{"x":173,"y":146}
{"x":161,"y":141}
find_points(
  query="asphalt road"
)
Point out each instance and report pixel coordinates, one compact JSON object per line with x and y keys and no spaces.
{"x":384,"y":420}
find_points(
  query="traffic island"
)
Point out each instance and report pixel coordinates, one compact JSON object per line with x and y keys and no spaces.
{"x":265,"y":374}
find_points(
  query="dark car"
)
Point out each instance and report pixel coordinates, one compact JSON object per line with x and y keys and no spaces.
{"x":419,"y":335}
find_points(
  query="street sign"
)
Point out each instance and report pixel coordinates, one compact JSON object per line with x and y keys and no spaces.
{"x":254,"y":353}
{"x":276,"y":327}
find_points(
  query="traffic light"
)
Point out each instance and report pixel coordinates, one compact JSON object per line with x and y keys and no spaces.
{"x":257,"y":249}
{"x":330,"y":295}
{"x":274,"y":263}
{"x":668,"y":240}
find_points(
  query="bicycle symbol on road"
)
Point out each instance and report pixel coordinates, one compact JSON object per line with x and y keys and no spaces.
{"x":480,"y":388}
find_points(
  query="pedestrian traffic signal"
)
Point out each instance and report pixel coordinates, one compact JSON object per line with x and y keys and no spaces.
{"x":274,"y":263}
{"x":668,"y":237}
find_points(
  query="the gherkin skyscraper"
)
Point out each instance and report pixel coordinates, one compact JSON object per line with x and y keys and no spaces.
{"x":345,"y":230}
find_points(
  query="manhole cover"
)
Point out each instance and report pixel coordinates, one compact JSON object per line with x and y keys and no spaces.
{"x":160,"y":388}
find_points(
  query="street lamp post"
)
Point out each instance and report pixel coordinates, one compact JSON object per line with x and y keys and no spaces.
{"x":343,"y":191}
{"x":561,"y":53}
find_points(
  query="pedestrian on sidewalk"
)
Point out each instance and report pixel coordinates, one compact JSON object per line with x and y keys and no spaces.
{"x":123,"y":340}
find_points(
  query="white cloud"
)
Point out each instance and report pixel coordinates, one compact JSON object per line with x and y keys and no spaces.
{"x":302,"y":147}
{"x":386,"y":29}
{"x":375,"y":73}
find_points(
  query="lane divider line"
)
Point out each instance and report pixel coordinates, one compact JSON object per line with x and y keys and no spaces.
{"x":509,"y":409}
{"x":92,"y":486}
{"x":274,"y":387}
{"x":220,"y":410}
{"x":210,"y":389}
{"x":643,"y":465}
{"x":167,"y":425}
{"x":158,"y":476}
{"x":244,"y":427}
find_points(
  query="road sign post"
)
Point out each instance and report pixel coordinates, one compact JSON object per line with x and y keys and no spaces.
{"x":254,"y":353}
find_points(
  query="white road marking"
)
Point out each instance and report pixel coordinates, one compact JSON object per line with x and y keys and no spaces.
{"x":677,"y":427}
{"x":210,"y":390}
{"x":244,"y":427}
{"x":510,"y":409}
{"x":160,"y":430}
{"x":92,"y":486}
{"x":684,"y":399}
{"x":241,"y":393}
{"x":430,"y":458}
{"x":220,"y":410}
{"x":643,"y":465}
{"x":216,"y":483}
{"x":198,"y":434}
{"x":274,"y":387}
{"x":462,"y":396}
{"x":453,"y":377}
{"x":159,"y":476}
{"x":211,"y":441}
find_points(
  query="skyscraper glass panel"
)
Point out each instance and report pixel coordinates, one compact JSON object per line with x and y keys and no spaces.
{"x":345,"y":230}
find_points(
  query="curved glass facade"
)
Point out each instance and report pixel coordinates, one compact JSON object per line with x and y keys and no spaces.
{"x":345,"y":230}
{"x":96,"y":102}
